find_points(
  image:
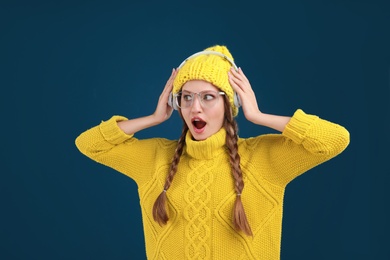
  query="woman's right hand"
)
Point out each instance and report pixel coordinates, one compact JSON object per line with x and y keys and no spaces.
{"x":163,"y":110}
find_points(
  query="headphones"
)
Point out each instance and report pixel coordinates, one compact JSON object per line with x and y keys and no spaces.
{"x":236,"y":97}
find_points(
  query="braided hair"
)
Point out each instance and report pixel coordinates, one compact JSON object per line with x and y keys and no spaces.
{"x":240,"y":220}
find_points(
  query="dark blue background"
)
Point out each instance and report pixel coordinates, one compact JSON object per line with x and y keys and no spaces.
{"x":65,"y":66}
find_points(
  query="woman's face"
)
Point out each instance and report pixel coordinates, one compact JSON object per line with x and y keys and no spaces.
{"x":202,"y":120}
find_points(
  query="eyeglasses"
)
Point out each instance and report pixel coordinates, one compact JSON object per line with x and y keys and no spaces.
{"x":207,"y":98}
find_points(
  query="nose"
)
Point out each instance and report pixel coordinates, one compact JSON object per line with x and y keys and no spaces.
{"x":196,"y":105}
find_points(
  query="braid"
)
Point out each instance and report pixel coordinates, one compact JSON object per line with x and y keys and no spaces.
{"x":159,"y":210}
{"x":239,"y":217}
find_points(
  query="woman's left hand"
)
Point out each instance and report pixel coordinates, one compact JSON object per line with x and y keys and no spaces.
{"x":241,"y":85}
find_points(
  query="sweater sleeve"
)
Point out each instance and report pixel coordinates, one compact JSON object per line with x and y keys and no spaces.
{"x":107,"y":144}
{"x":306,"y":142}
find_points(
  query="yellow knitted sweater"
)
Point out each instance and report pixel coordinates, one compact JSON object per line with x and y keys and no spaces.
{"x":201,"y":197}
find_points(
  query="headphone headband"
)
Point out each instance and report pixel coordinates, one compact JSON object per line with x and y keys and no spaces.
{"x":210,"y":52}
{"x":236,"y":97}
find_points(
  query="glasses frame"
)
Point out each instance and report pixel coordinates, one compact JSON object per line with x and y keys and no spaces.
{"x":175,"y":96}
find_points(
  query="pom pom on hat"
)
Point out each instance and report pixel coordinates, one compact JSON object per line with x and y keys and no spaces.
{"x":208,"y":67}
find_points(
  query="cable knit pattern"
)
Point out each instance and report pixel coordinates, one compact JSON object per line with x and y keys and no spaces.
{"x":197,"y":210}
{"x":201,"y":197}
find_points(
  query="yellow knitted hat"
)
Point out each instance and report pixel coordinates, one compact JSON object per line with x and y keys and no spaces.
{"x":208,"y":67}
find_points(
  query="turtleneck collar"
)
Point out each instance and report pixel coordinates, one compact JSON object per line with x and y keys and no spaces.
{"x":206,"y":149}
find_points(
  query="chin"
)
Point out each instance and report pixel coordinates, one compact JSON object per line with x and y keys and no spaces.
{"x":201,"y":136}
{"x":198,"y":137}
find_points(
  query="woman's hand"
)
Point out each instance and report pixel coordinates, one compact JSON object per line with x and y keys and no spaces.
{"x":241,"y":85}
{"x":252,"y":112}
{"x":163,"y":110}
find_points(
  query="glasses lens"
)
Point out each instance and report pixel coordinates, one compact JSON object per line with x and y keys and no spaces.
{"x":207,"y":98}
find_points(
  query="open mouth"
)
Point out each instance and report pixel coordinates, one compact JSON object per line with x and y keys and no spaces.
{"x":198,"y":123}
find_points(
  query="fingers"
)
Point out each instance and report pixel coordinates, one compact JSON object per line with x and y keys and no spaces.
{"x":242,"y":74}
{"x":169,"y":85}
{"x":238,"y":80}
{"x":239,"y":75}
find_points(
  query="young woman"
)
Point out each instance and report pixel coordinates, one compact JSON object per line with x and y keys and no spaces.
{"x":211,"y":194}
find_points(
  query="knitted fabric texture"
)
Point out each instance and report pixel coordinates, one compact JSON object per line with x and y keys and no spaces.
{"x":211,"y":68}
{"x":202,"y":195}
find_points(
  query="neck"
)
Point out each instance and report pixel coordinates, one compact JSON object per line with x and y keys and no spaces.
{"x":206,"y":149}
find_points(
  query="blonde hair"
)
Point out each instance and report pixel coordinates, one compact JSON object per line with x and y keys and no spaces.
{"x":240,"y":220}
